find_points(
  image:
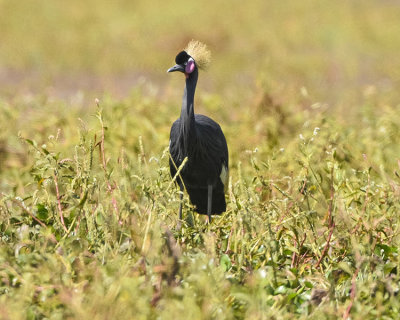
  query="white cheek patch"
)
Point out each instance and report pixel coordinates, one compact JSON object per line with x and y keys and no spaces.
{"x":224,"y":176}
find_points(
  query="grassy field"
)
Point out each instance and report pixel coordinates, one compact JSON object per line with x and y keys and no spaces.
{"x":307,"y":94}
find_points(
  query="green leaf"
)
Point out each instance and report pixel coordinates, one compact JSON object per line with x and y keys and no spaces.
{"x":345,"y":267}
{"x":41,"y":212}
{"x":281,"y":290}
{"x":388,"y":267}
{"x":225,"y":262}
{"x":31,"y":142}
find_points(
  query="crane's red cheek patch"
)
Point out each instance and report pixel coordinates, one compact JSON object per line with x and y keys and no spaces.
{"x":190,"y":66}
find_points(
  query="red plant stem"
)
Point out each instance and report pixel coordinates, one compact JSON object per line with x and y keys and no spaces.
{"x":104,"y":165}
{"x":352,"y":294}
{"x":332,"y":191}
{"x":19,"y":204}
{"x":326,"y":246}
{"x":293,"y":259}
{"x":300,"y":246}
{"x":59,"y":203}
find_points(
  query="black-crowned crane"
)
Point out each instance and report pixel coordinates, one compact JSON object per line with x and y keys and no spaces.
{"x":200,"y":139}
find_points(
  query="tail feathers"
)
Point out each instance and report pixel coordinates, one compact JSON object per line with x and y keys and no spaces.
{"x":199,"y":197}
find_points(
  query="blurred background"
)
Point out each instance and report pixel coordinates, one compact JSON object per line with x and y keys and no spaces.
{"x":331,"y":51}
{"x":307,"y":94}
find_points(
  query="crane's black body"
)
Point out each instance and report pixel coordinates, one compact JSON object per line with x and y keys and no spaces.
{"x":201,"y":140}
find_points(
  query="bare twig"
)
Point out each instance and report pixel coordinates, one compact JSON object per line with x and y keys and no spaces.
{"x":303,"y":187}
{"x":295,"y":257}
{"x":59,"y":202}
{"x":331,"y":200}
{"x":364,"y":207}
{"x":110,"y":189}
{"x":174,"y":252}
{"x":167,"y":270}
{"x":331,"y":222}
{"x":228,"y":246}
{"x":157,"y":292}
{"x":103,"y":157}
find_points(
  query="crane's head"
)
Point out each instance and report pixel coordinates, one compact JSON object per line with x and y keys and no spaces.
{"x":184,"y":63}
{"x":196,"y":55}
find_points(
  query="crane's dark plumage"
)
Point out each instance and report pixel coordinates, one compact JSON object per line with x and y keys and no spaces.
{"x":201,"y":140}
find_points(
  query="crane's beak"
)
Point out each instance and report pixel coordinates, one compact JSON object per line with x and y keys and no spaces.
{"x":176,"y":67}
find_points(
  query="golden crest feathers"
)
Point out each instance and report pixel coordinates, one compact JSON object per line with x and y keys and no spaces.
{"x":200,"y":53}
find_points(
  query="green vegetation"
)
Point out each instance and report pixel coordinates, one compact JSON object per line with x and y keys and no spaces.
{"x":307,"y":94}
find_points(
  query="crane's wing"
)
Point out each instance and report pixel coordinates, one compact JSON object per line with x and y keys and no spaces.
{"x":212,"y":141}
{"x":174,"y":161}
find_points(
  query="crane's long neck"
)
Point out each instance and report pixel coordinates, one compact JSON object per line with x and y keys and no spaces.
{"x":187,"y":130}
